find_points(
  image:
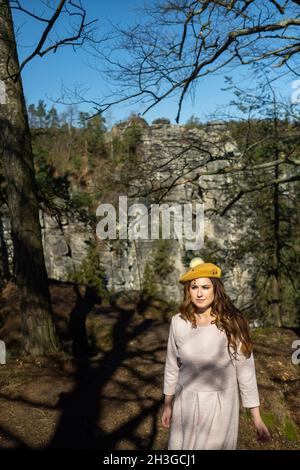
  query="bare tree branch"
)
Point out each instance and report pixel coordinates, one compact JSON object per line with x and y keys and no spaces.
{"x":82,"y":31}
{"x":180,"y":42}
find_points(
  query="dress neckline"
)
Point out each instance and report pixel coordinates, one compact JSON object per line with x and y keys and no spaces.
{"x":205,"y":326}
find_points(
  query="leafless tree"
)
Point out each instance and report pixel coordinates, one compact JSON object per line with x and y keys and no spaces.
{"x":38,"y":329}
{"x":178,"y":42}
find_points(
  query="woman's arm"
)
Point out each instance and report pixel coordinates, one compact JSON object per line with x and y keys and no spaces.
{"x":169,"y":399}
{"x":246,"y":377}
{"x":263,"y":433}
{"x":171,"y":364}
{"x":170,"y":377}
{"x":167,"y":411}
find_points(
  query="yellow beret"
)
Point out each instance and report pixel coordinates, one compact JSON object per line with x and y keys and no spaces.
{"x":201,"y":270}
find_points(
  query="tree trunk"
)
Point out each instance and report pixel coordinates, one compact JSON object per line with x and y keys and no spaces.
{"x":275,"y":304}
{"x":38,"y":328}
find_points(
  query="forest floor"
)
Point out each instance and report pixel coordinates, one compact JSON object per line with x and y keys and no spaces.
{"x":113,"y":399}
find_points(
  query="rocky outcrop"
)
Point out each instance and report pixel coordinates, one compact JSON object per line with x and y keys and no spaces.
{"x":171,"y":160}
{"x":65,"y":243}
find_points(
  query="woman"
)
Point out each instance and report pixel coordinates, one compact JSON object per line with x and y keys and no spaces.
{"x":209,"y":361}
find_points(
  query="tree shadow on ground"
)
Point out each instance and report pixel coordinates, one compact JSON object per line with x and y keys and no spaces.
{"x":78,"y":427}
{"x":77,"y":325}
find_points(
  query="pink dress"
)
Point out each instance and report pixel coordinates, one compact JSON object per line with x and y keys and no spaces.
{"x":206,"y":383}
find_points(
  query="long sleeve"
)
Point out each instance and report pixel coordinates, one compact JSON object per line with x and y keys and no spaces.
{"x":246,"y":377}
{"x":171,"y":364}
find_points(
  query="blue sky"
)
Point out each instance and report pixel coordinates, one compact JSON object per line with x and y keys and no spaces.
{"x":44,"y":77}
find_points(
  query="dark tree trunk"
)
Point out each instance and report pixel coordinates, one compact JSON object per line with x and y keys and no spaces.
{"x":275,"y":304}
{"x":16,"y":153}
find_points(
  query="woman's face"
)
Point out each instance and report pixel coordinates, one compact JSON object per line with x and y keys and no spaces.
{"x":202,"y":292}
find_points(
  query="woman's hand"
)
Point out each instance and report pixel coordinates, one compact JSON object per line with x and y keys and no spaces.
{"x":167,"y":415}
{"x":262,"y":432}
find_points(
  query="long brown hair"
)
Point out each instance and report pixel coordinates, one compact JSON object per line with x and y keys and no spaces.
{"x":228,"y":318}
